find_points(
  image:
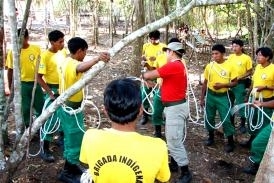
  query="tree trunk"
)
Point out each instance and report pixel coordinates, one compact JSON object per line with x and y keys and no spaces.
{"x":255,"y":28}
{"x":111,"y":23}
{"x":140,"y":22}
{"x":95,"y":21}
{"x":250,"y":30}
{"x":266,"y":171}
{"x":2,"y":95}
{"x":72,"y":27}
{"x":165,"y":6}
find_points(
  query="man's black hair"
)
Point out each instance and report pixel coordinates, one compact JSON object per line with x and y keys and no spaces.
{"x":238,"y":42}
{"x":218,"y":47}
{"x":154,"y":34}
{"x":266,"y":52}
{"x":55,"y":35}
{"x":174,"y":39}
{"x":122,"y":100}
{"x":25,"y":35}
{"x":77,"y":43}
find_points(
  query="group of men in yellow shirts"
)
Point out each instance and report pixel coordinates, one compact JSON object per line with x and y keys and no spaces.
{"x":226,"y":81}
{"x":57,"y":72}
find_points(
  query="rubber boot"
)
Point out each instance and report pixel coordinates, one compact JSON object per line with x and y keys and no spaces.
{"x":210,"y":140}
{"x":242,"y":126}
{"x":46,"y":154}
{"x":158,"y":131}
{"x":230,"y":144}
{"x":232,"y":119}
{"x":144,"y":118}
{"x":186,"y":175}
{"x":173,"y":166}
{"x":251,"y":169}
{"x":247,"y":144}
{"x":70,"y":173}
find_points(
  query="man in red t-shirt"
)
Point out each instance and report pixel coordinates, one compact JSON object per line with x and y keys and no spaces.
{"x":173,"y":96}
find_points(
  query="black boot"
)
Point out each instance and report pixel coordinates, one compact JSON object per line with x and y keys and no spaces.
{"x":251,"y":169}
{"x":70,"y":174}
{"x":144,"y":118}
{"x":46,"y":154}
{"x":242,"y":126}
{"x":247,"y":144}
{"x":173,"y":166}
{"x":210,"y":140}
{"x":229,"y":147}
{"x":60,"y":141}
{"x":158,"y":131}
{"x":186,"y":175}
{"x":232,"y":119}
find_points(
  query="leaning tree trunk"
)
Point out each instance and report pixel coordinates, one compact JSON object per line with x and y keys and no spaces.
{"x":16,"y":47}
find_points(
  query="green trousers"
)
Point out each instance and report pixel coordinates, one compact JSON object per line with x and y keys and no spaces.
{"x":157,"y":116}
{"x":49,"y":124}
{"x":258,"y":116}
{"x":158,"y":108}
{"x":259,"y":144}
{"x":220,"y":103}
{"x":73,"y":135}
{"x":26,"y":91}
{"x":239,"y":93}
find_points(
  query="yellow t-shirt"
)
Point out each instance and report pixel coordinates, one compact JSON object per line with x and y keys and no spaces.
{"x":264,"y":76}
{"x":242,"y":63}
{"x":150,"y":50}
{"x":48,"y":65}
{"x":124,"y":157}
{"x":28,"y":59}
{"x":68,"y":76}
{"x":219,"y":73}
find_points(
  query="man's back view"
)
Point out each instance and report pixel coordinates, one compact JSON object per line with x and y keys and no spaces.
{"x":120,"y":154}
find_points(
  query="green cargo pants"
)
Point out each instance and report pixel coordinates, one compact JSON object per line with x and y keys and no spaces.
{"x":239,"y":94}
{"x":218,"y":102}
{"x":259,"y":144}
{"x":50,"y":123}
{"x":73,"y":135}
{"x":26,"y":91}
{"x":257,"y":117}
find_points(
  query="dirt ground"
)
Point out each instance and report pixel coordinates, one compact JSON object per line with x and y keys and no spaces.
{"x":208,"y":164}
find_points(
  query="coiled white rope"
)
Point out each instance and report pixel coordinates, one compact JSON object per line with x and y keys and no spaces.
{"x":45,"y":129}
{"x":249,"y":111}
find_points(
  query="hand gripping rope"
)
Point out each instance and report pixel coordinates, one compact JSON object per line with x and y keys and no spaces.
{"x":249,"y":111}
{"x":228,"y":112}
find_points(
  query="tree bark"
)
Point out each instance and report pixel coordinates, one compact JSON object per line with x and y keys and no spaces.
{"x":265,"y":173}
